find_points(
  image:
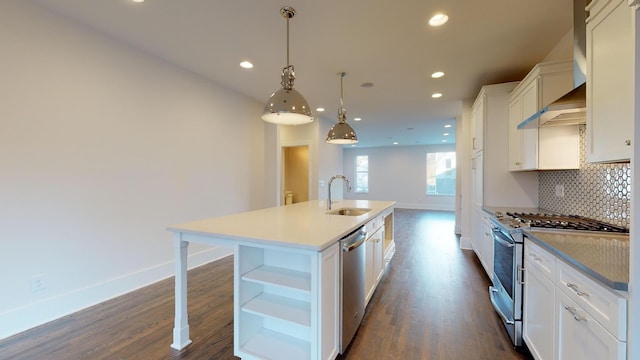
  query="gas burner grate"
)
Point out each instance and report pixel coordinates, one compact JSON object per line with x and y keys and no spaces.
{"x":564,"y":222}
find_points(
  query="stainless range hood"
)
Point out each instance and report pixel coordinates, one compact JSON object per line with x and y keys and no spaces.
{"x":571,"y":108}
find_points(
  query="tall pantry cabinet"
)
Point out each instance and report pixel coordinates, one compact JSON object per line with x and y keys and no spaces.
{"x":491,"y":182}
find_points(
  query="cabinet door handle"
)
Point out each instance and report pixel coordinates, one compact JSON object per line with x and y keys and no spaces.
{"x":517,"y":163}
{"x":521,"y":275}
{"x":535,"y":257}
{"x":573,"y":312}
{"x":627,"y":142}
{"x":575,"y":288}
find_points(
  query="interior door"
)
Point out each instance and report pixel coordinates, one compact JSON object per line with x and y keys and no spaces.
{"x":295,"y":174}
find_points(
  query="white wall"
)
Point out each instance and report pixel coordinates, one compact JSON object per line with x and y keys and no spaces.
{"x":398,"y":173}
{"x":330,"y":162}
{"x":101,"y":148}
{"x":563,"y":49}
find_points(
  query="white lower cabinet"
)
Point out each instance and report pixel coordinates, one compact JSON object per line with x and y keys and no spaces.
{"x":374,"y":262}
{"x":483,"y":239}
{"x":378,"y":259}
{"x":487,"y":245}
{"x":567,"y":315}
{"x":538,"y":308}
{"x":287,"y":303}
{"x":580,"y":336}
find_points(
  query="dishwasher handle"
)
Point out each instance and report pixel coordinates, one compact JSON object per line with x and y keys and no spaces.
{"x":357,"y":241}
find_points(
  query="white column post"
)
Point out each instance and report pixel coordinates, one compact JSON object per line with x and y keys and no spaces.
{"x":181,"y":322}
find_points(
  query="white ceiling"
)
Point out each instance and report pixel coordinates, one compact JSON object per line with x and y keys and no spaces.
{"x":384,"y":42}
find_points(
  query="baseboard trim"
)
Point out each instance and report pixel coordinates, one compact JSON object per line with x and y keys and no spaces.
{"x":34,"y":314}
{"x":434,"y":207}
{"x":465,"y":243}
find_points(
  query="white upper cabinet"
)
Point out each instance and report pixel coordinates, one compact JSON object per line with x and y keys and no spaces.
{"x":547,"y":147}
{"x":610,"y":88}
{"x":477,"y":124}
{"x":523,"y":143}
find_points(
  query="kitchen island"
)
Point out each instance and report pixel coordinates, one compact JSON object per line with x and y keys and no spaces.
{"x":286,"y":275}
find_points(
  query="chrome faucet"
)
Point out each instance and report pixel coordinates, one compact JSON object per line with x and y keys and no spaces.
{"x":346,"y":183}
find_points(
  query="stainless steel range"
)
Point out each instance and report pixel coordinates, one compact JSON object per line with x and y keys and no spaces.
{"x":508,"y":240}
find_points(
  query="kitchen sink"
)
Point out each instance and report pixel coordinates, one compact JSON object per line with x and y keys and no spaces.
{"x":349,"y":211}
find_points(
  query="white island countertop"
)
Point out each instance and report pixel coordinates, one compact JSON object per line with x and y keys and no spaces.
{"x":303,"y":225}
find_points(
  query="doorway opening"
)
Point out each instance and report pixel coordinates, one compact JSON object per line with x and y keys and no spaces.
{"x":295,"y":179}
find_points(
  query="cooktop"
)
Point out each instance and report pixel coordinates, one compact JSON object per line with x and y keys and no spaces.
{"x":564,"y":222}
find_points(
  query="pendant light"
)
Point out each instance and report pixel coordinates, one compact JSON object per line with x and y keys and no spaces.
{"x":341,"y":133}
{"x":287,"y":106}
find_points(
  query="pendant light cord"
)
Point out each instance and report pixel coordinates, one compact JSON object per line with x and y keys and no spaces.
{"x":342,"y":113}
{"x":287,"y":41}
{"x":288,"y":75}
{"x":341,"y":91}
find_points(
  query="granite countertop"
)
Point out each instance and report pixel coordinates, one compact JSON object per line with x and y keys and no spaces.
{"x":603,"y":256}
{"x":303,"y":225}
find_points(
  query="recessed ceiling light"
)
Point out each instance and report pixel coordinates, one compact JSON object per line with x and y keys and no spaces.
{"x":353,"y":145}
{"x":436,"y":95}
{"x":445,"y":134}
{"x":444,"y":141}
{"x":447,"y":125}
{"x":395,"y":143}
{"x":437,"y":74}
{"x":357,"y":119}
{"x":438,"y":19}
{"x":138,"y":1}
{"x":320,"y":109}
{"x":244,"y":64}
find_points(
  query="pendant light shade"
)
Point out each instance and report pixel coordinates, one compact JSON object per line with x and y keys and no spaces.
{"x":341,"y":133}
{"x":287,"y":106}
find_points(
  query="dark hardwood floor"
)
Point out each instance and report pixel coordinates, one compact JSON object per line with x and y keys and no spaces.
{"x":432,"y":303}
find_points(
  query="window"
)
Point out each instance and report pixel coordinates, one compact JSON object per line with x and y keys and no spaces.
{"x":362,"y":174}
{"x":441,"y":173}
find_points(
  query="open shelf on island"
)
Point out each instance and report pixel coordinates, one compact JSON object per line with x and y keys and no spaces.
{"x":271,"y":275}
{"x":269,"y":344}
{"x":280,"y":307}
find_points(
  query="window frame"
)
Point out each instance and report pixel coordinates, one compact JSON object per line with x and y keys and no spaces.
{"x":454,"y":167}
{"x":356,"y":172}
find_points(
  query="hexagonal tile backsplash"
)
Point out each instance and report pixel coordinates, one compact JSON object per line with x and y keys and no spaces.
{"x":599,"y":191}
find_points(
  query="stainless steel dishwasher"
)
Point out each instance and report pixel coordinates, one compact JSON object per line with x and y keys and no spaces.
{"x":352,"y":284}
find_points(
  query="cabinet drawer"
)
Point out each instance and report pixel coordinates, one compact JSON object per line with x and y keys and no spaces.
{"x":607,"y":307}
{"x":374,"y":224}
{"x":370,"y":226}
{"x":541,"y":259}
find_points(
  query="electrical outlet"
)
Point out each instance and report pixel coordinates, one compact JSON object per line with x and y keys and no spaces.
{"x":560,"y":190}
{"x":38,"y":282}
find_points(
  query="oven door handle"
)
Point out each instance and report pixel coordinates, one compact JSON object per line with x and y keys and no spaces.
{"x":493,"y":293}
{"x":501,"y":238}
